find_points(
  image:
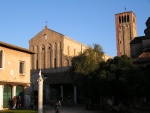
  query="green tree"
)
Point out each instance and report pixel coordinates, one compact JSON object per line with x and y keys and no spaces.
{"x":82,"y":66}
{"x":88,"y":61}
{"x":121,"y":79}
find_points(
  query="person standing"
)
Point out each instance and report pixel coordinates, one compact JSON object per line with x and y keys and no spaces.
{"x":19,"y":102}
{"x":14,"y":102}
{"x":57,"y":107}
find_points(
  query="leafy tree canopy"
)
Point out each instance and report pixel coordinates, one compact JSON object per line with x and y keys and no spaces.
{"x":88,"y":61}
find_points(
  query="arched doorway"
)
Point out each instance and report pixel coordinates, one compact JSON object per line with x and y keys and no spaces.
{"x":7,"y":95}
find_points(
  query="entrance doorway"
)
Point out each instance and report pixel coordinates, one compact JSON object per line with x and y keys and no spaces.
{"x":7,"y":95}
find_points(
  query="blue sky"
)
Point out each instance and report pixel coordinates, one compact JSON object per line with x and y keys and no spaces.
{"x":86,"y":21}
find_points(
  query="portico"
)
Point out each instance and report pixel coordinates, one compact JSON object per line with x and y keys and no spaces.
{"x":14,"y":73}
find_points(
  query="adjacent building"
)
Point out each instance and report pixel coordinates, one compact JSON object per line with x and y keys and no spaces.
{"x":125,"y":32}
{"x":14,"y":73}
{"x":140,"y":47}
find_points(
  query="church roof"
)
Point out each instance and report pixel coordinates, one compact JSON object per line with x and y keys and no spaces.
{"x":144,"y":58}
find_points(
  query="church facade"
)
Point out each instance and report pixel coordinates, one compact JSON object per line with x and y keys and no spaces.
{"x":53,"y":54}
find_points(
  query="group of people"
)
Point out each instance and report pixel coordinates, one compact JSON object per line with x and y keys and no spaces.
{"x":15,"y":102}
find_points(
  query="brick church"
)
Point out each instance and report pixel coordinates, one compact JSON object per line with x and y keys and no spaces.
{"x":53,"y":53}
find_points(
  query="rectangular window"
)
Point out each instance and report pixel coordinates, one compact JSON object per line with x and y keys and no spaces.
{"x":22,"y":67}
{"x":1,"y":59}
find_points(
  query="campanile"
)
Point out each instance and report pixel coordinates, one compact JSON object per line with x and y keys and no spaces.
{"x":125,"y":32}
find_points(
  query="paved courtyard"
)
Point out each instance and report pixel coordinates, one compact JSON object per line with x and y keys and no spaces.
{"x":69,"y":110}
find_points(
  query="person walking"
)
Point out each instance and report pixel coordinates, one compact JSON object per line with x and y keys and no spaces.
{"x":57,"y":107}
{"x":14,"y":102}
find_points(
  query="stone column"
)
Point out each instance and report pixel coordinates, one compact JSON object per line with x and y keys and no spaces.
{"x":1,"y":97}
{"x":75,"y":95}
{"x":13,"y":91}
{"x":40,"y":93}
{"x":62,"y":92}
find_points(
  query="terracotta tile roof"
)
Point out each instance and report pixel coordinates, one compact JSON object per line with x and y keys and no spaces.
{"x":3,"y":44}
{"x":58,"y":79}
{"x":143,"y":58}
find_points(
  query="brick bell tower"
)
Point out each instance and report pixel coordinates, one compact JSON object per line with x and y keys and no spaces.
{"x":125,"y":32}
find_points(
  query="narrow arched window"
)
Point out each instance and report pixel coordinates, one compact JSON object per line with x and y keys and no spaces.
{"x":60,"y":53}
{"x":119,"y":19}
{"x":37,"y":55}
{"x":1,"y":58}
{"x":49,"y":56}
{"x":43,"y":56}
{"x":127,"y":18}
{"x":55,"y":56}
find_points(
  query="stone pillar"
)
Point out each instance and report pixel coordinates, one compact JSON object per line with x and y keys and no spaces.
{"x":40,"y":93}
{"x":13,"y":91}
{"x":62,"y":92}
{"x":75,"y":95}
{"x":1,"y":97}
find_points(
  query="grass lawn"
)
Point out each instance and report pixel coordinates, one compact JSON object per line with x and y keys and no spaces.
{"x":18,"y":111}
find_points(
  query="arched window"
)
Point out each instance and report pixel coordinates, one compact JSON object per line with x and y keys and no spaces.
{"x":55,"y":55}
{"x":119,"y":19}
{"x":49,"y":56}
{"x":127,"y":18}
{"x":33,"y":56}
{"x":60,"y":54}
{"x":43,"y":56}
{"x":1,"y":58}
{"x":36,"y":57}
